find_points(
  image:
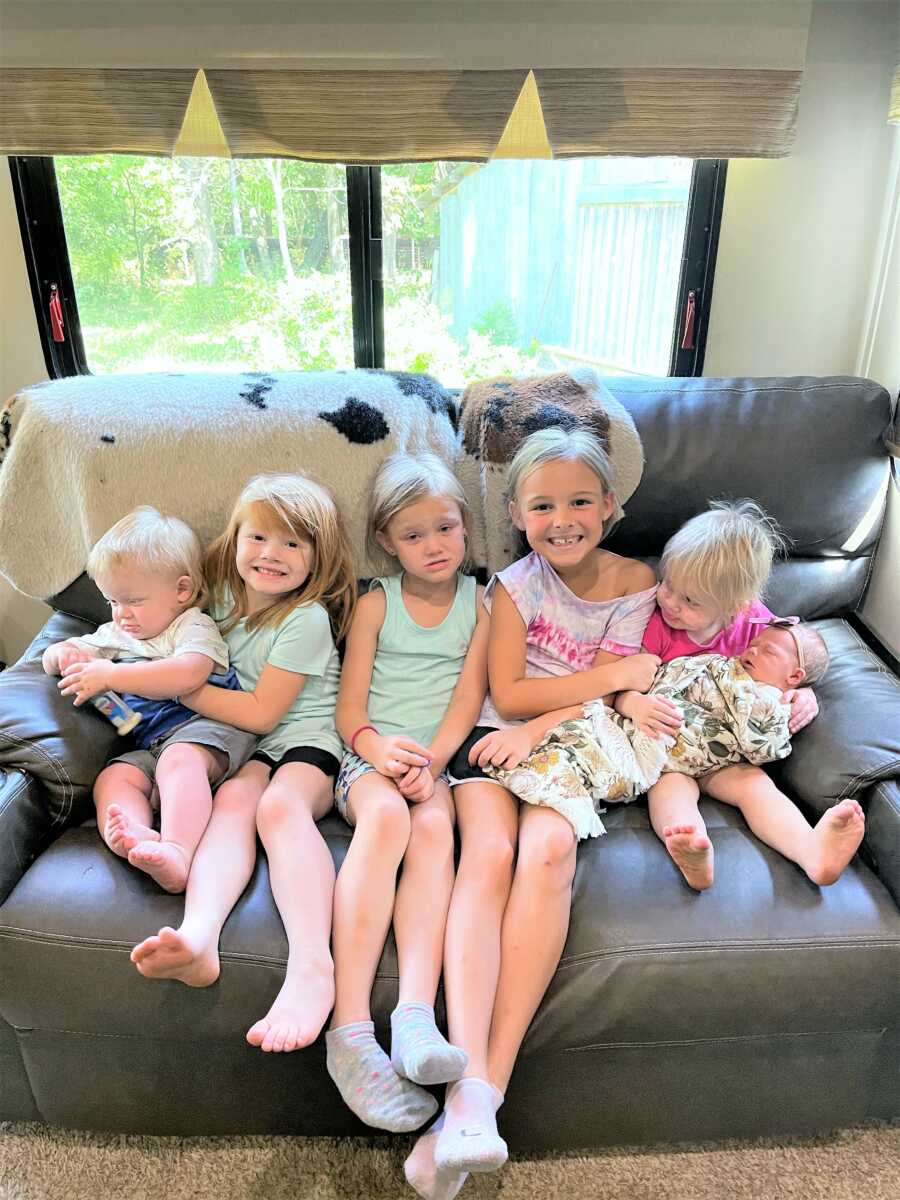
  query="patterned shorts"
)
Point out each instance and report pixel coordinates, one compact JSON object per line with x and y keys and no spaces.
{"x":352,"y":768}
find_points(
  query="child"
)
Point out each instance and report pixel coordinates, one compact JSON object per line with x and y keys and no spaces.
{"x":733,"y":711}
{"x":412,"y":686}
{"x":159,"y":643}
{"x":566,"y":626}
{"x":713,"y":570}
{"x":283,"y":589}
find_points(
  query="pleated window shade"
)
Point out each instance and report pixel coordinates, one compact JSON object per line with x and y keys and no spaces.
{"x":388,"y":116}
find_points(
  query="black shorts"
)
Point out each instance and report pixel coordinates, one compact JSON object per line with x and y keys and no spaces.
{"x":459,"y":769}
{"x":325,"y":761}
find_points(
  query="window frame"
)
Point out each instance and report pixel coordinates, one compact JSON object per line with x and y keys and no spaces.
{"x":47,"y":260}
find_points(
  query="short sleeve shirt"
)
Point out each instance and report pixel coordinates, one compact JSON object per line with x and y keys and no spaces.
{"x":660,"y":638}
{"x":302,"y":643}
{"x":192,"y":632}
{"x":562,"y":631}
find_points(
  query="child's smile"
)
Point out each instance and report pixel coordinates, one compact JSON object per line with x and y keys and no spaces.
{"x":561,"y":508}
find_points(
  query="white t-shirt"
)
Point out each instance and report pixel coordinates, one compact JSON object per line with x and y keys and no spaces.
{"x":192,"y":632}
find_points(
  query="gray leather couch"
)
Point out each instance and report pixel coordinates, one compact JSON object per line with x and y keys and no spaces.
{"x":763,"y":1006}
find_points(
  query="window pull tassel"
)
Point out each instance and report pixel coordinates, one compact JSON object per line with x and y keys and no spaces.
{"x":690,"y":315}
{"x":57,"y":328}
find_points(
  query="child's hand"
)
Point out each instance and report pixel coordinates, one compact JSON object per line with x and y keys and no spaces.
{"x":637,"y":672}
{"x":655,"y":715}
{"x":804,"y":707}
{"x":393,"y":754}
{"x":85,"y":679}
{"x":56,"y":658}
{"x":502,"y":748}
{"x":416,"y":785}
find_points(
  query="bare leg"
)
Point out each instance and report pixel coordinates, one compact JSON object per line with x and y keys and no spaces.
{"x":124,"y":812}
{"x":488,"y":821}
{"x":183,"y":775}
{"x":822,"y":852}
{"x":423,"y":896}
{"x":220,"y":871}
{"x":675,"y":817}
{"x":534,"y":931}
{"x":301,"y":872}
{"x":365,"y":891}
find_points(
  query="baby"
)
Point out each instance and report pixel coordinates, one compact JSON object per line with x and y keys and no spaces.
{"x":733,"y":713}
{"x":158,"y":645}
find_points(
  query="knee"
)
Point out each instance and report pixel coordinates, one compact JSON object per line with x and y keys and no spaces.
{"x":386,"y":819}
{"x":432,"y":829}
{"x":489,"y":859}
{"x":274,"y":810}
{"x":551,"y":856}
{"x":182,"y":755}
{"x":237,"y":796}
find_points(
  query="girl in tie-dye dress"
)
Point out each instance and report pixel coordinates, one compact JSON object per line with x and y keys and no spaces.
{"x":566,"y":627}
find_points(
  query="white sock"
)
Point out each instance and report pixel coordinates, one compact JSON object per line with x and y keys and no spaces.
{"x":422,"y":1173}
{"x":469,"y":1140}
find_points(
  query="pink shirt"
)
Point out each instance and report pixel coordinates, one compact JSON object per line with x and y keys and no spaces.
{"x":660,"y":638}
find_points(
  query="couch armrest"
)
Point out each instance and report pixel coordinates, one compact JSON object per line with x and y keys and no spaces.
{"x":25,"y":827}
{"x":854,"y":743}
{"x":43,"y":735}
{"x":882,"y":845}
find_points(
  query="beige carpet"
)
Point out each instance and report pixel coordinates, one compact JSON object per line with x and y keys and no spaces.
{"x":41,"y":1163}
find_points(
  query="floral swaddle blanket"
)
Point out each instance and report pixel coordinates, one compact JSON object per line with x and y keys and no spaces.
{"x":728,"y":718}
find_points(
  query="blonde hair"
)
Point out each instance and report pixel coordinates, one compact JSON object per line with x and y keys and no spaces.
{"x":401,"y":480}
{"x":150,"y":541}
{"x":725,"y":553}
{"x":296,"y":505}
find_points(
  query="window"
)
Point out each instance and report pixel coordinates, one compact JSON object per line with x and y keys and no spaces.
{"x":464,"y":270}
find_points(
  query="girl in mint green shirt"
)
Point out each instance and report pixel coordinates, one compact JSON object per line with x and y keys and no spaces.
{"x":283,"y":589}
{"x":414,"y":678}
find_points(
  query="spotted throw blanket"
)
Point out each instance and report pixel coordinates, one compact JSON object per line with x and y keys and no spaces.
{"x":728,"y":718}
{"x":82,"y":452}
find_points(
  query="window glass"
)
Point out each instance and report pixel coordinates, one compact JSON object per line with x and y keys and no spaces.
{"x":208,"y":264}
{"x":525,"y":266}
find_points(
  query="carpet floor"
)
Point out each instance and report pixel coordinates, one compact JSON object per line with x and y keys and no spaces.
{"x":38,"y":1162}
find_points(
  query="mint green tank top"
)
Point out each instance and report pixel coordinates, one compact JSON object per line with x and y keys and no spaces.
{"x":416,"y":669}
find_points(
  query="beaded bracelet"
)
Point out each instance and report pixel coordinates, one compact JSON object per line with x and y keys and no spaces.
{"x":362,"y":729}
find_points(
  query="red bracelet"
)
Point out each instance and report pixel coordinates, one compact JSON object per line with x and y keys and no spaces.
{"x":362,"y":729}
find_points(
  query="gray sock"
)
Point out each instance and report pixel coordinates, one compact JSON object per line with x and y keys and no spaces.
{"x":419,"y":1051}
{"x":369,"y":1085}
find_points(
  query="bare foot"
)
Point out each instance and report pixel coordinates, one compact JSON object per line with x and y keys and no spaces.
{"x":836,"y":839}
{"x":300,"y":1010}
{"x":692,"y":854}
{"x":165,"y":862}
{"x":170,"y":955}
{"x":122,"y":832}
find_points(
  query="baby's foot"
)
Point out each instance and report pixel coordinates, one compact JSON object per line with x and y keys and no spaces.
{"x":164,"y":862}
{"x":692,"y":854}
{"x":469,"y":1140}
{"x":122,"y":832}
{"x":300,"y":1010}
{"x":419,"y":1051}
{"x":169,"y":954}
{"x":422,"y":1173}
{"x":836,"y":839}
{"x":369,"y":1085}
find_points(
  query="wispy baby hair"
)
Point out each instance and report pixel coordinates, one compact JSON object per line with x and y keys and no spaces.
{"x":725,"y":554}
{"x":401,"y":480}
{"x":815,"y":652}
{"x":301,"y":508}
{"x":555,"y":444}
{"x":148,"y":540}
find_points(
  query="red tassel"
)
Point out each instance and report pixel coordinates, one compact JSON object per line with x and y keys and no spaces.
{"x":690,"y":316}
{"x":56,"y":315}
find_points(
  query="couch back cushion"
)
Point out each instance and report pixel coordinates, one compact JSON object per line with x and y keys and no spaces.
{"x":809,"y":450}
